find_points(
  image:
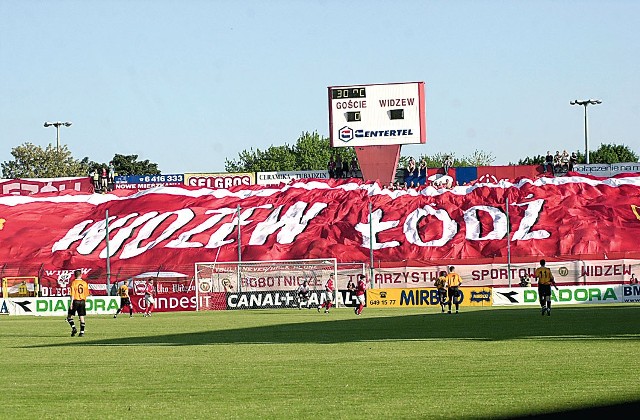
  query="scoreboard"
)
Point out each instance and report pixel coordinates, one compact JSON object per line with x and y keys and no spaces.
{"x":377,"y":114}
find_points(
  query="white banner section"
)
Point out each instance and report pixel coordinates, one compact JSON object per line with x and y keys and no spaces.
{"x":566,"y":295}
{"x":52,"y":306}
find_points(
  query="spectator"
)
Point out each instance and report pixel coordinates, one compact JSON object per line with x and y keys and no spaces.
{"x":557,"y":161}
{"x":345,"y":169}
{"x":633,"y":279}
{"x":354,"y":167}
{"x":448,"y":163}
{"x":112,"y":172}
{"x":338,"y":167}
{"x":331,"y":167}
{"x":422,"y":173}
{"x":564,"y":160}
{"x":411,"y":172}
{"x":548,"y":162}
{"x":95,"y":177}
{"x":573,"y":160}
{"x":104,"y":179}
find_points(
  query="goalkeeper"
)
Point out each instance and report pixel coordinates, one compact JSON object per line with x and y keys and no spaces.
{"x":303,"y":294}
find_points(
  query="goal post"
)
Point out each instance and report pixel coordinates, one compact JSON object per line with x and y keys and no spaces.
{"x":26,"y":286}
{"x":262,"y":284}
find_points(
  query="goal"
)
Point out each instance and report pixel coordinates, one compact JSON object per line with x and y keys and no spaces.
{"x":261,"y":284}
{"x":17,"y":287}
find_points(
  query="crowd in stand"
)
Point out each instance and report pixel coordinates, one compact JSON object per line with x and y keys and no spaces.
{"x":560,"y":162}
{"x":103,"y":178}
{"x":339,"y":168}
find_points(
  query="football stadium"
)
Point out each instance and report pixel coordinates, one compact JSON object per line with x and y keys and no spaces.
{"x":362,"y":283}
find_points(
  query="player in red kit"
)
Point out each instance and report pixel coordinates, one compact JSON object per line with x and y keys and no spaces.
{"x":149,"y":298}
{"x":329,"y":288}
{"x":360,"y":293}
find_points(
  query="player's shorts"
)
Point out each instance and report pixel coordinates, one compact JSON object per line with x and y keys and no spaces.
{"x":442,"y":294}
{"x":544,"y":290}
{"x":149,"y":300}
{"x":78,"y":307}
{"x":328,"y":296}
{"x":303,"y":296}
{"x":361,"y":299}
{"x":125,"y":302}
{"x":453,"y":293}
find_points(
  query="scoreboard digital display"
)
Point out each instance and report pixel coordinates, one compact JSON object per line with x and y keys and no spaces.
{"x":348,"y":93}
{"x":377,"y":114}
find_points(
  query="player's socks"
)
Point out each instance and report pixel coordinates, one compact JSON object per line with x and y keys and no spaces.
{"x":70,"y":321}
{"x":82,"y":328}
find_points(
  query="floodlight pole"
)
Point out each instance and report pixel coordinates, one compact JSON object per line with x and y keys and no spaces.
{"x":586,"y":131}
{"x":108,"y":253}
{"x":508,"y":244}
{"x":239,"y":253}
{"x":57,"y":125}
{"x":370,"y":244}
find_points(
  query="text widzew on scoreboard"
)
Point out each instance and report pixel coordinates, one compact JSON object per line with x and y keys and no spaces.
{"x":377,"y":114}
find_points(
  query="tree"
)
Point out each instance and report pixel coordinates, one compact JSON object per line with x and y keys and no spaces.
{"x":311,"y":152}
{"x":477,"y":158}
{"x":606,"y":153}
{"x":129,"y":165}
{"x":612,"y":153}
{"x":31,"y":161}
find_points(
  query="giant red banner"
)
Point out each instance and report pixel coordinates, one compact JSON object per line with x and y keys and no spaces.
{"x":174,"y":227}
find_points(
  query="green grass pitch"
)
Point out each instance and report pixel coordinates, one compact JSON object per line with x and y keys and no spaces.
{"x":386,"y":363}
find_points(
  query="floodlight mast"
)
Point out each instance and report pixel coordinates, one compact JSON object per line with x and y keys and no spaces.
{"x":57,"y":125}
{"x":586,"y":103}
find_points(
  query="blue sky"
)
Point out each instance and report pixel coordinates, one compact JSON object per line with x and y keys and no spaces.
{"x":188,"y":84}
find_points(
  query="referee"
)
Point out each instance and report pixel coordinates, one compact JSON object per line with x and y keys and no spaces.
{"x":78,"y":306}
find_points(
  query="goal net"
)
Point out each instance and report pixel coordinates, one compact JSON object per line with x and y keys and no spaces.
{"x":263,"y":284}
{"x":13,"y":287}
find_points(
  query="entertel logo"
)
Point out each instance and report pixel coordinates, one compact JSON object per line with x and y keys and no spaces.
{"x":347,"y":133}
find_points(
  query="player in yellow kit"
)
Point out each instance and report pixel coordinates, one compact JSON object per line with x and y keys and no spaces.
{"x":123,"y":292}
{"x":454,"y":281}
{"x":545,"y":281}
{"x":79,"y":295}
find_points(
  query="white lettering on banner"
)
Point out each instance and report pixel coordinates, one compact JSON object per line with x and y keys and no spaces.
{"x":123,"y":232}
{"x":473,"y":225}
{"x":217,"y":239}
{"x":219,"y":181}
{"x":450,"y":227}
{"x":183,"y":238}
{"x":133,"y":249}
{"x":288,"y":226}
{"x":531,"y":215}
{"x":410,"y":228}
{"x":378,"y":226}
{"x":184,"y":302}
{"x":291,"y":225}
